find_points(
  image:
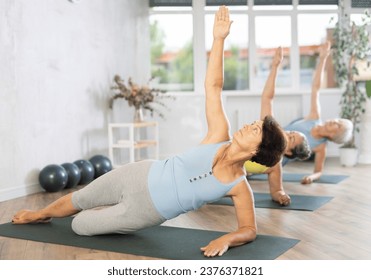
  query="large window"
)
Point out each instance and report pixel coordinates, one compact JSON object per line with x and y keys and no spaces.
{"x":181,"y":36}
{"x":314,"y":30}
{"x":172,"y":51}
{"x":270,"y":33}
{"x":236,"y":64}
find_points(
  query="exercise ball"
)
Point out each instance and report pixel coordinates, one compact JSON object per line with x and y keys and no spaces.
{"x":53,"y":178}
{"x":101,"y":165}
{"x":74,"y":174}
{"x":86,"y":171}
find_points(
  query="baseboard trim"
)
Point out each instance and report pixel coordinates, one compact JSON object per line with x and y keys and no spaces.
{"x":11,"y":193}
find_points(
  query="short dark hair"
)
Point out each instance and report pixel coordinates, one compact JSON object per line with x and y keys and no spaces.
{"x":273,"y":143}
{"x":301,"y":151}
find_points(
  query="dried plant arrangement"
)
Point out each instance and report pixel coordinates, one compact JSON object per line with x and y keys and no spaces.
{"x":139,"y":97}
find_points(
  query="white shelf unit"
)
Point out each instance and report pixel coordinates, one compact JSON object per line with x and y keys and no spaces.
{"x":134,"y":142}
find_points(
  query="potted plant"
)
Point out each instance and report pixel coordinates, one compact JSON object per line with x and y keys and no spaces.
{"x":139,"y":97}
{"x":351,"y":46}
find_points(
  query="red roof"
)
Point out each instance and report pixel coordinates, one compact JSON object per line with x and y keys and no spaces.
{"x":244,"y":53}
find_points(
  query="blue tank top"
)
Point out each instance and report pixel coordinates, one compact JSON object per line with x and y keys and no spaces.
{"x":185,"y":182}
{"x":305,"y":126}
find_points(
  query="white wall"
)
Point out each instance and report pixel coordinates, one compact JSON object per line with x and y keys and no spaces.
{"x":185,"y":124}
{"x":57,"y":63}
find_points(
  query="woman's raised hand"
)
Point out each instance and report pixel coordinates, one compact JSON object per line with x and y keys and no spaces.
{"x":222,"y":23}
{"x":325,"y":50}
{"x":278,"y":57}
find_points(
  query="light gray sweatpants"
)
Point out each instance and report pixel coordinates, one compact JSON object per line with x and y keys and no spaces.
{"x":116,"y":202}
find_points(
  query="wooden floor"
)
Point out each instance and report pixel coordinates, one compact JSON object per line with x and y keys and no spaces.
{"x":339,"y":230}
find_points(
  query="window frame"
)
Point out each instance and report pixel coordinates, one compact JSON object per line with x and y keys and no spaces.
{"x":198,"y":12}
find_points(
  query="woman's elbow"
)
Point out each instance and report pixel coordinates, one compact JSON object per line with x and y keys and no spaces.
{"x":215,"y":84}
{"x":253,"y":235}
{"x":250,"y":234}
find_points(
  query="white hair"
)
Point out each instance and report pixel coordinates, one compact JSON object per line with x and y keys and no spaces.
{"x":345,"y":133}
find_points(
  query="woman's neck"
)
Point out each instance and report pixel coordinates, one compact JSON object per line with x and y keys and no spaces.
{"x":227,"y":166}
{"x":228,"y":155}
{"x":317,"y":132}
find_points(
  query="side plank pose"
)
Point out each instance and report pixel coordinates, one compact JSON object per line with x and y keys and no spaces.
{"x":146,"y":193}
{"x":297,"y":146}
{"x":317,"y":132}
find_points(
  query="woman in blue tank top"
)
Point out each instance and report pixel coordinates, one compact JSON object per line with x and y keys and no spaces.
{"x":317,"y":132}
{"x":147,"y":193}
{"x":297,"y":144}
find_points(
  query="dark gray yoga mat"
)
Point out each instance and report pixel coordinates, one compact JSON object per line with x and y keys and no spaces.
{"x":298,"y":202}
{"x":159,"y":242}
{"x":296,"y":177}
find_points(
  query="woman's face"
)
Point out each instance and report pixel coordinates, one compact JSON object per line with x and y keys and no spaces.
{"x":294,"y":139}
{"x":332,"y":127}
{"x":250,"y":136}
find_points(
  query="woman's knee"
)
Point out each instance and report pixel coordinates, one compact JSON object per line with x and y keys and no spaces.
{"x":79,"y":226}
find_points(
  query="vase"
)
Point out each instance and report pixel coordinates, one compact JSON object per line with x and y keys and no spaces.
{"x":348,"y":156}
{"x":138,"y":115}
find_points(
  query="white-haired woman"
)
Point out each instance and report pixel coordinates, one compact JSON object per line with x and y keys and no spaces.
{"x":317,"y":132}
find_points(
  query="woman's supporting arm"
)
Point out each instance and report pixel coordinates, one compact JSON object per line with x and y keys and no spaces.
{"x":243,"y":201}
{"x":319,"y":163}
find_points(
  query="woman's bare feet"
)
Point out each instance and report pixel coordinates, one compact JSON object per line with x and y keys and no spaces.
{"x":29,"y":217}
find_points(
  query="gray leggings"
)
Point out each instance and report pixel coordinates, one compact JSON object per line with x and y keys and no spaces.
{"x":117,"y":202}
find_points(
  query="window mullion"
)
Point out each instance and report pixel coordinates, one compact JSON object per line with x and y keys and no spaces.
{"x":295,"y":54}
{"x":199,"y":45}
{"x":252,"y":52}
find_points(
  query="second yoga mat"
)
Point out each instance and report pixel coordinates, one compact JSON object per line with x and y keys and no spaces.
{"x":159,"y":242}
{"x":298,"y":202}
{"x":296,"y":177}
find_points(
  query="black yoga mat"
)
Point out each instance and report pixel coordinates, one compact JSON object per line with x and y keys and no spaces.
{"x":296,"y":177}
{"x":298,"y":202}
{"x":159,"y":242}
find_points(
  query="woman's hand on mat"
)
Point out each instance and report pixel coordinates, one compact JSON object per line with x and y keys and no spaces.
{"x":281,"y":197}
{"x":307,"y":180}
{"x":216,"y":247}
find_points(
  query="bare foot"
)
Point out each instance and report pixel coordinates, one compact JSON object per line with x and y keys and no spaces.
{"x":29,"y":217}
{"x":281,"y":197}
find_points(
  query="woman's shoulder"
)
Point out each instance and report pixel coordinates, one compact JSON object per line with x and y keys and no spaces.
{"x":310,"y":121}
{"x":242,"y":187}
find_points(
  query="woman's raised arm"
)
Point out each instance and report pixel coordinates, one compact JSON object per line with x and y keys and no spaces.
{"x":270,"y":85}
{"x":315,"y":106}
{"x":218,"y":124}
